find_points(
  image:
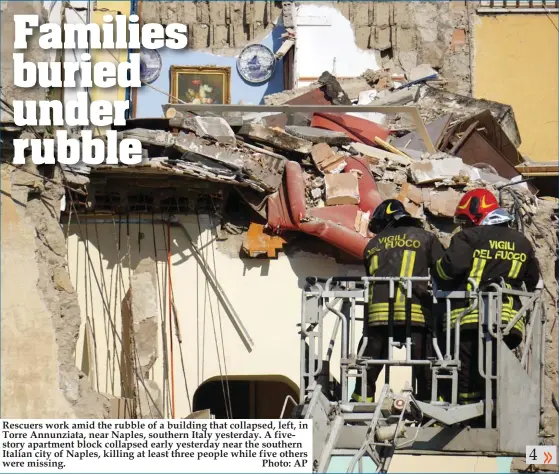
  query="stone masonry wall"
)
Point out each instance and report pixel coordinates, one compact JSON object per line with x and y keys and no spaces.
{"x":216,"y":25}
{"x":408,"y":33}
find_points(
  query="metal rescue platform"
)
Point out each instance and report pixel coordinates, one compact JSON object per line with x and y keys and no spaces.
{"x":509,"y":418}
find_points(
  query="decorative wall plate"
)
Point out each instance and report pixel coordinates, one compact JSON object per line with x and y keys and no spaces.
{"x":256,"y":63}
{"x":150,"y":65}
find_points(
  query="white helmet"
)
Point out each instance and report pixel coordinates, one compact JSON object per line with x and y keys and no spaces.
{"x":498,"y":216}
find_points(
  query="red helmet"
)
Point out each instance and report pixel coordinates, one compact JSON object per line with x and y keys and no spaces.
{"x":475,"y":205}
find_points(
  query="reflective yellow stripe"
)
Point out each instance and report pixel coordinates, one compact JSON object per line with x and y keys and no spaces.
{"x":408,"y":262}
{"x":373,"y":267}
{"x":477,"y":271}
{"x":358,"y":398}
{"x":476,"y":274}
{"x":466,"y":395}
{"x":515,"y":269}
{"x":508,"y":313}
{"x":378,"y":313}
{"x":415,"y":308}
{"x":441,"y":271}
{"x":399,"y":316}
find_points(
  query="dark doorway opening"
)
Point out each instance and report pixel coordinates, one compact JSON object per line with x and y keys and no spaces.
{"x":248,"y":399}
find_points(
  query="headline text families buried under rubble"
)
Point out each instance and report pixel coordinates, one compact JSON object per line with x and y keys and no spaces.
{"x":121,"y":34}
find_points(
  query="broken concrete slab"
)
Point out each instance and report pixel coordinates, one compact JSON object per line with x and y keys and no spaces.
{"x":290,"y":95}
{"x":342,"y":188}
{"x":205,"y":126}
{"x":443,"y":203}
{"x":434,"y":103}
{"x":411,"y":193}
{"x":149,"y":400}
{"x":197,"y":157}
{"x":149,"y":137}
{"x":265,"y":170}
{"x":431,"y":171}
{"x":421,"y":72}
{"x":276,"y":138}
{"x":299,"y":119}
{"x":191,"y":143}
{"x":387,"y":189}
{"x":144,"y":312}
{"x":400,"y":97}
{"x":216,"y":128}
{"x":318,"y":135}
{"x":354,"y":86}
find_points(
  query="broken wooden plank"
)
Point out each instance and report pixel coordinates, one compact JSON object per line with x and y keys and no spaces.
{"x":413,"y":140}
{"x":463,"y":138}
{"x":387,"y":146}
{"x":380,"y":154}
{"x":326,"y":160}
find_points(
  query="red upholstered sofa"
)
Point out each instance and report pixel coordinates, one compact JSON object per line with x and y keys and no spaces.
{"x":287,"y":209}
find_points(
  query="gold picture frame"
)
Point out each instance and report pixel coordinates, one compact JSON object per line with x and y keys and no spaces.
{"x":201,"y":84}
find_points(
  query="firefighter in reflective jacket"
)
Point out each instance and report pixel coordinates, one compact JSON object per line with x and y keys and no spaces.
{"x":401,"y":247}
{"x":488,"y":251}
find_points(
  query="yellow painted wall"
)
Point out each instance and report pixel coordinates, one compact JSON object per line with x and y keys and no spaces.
{"x":516,"y":63}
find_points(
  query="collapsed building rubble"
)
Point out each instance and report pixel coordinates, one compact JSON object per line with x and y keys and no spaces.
{"x":320,"y":177}
{"x":323,"y":174}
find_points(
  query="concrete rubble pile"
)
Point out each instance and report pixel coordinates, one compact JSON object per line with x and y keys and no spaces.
{"x":323,"y":174}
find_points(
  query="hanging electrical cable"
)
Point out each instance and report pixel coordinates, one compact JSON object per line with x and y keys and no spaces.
{"x":219,"y":316}
{"x":165,"y":308}
{"x":115,"y":332}
{"x":91,"y":320}
{"x":226,"y":398}
{"x":172,"y":356}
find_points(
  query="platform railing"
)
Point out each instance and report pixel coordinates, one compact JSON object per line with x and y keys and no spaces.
{"x":321,"y":297}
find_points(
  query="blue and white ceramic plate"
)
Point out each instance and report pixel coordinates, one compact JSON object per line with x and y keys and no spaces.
{"x":150,"y":65}
{"x":256,"y":63}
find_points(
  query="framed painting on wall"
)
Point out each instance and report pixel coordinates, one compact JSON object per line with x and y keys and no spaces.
{"x":201,"y":84}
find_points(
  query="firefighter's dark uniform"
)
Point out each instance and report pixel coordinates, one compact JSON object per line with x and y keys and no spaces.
{"x":403,"y":249}
{"x":485,"y":254}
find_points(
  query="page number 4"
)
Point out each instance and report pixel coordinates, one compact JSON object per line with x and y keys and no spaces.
{"x":541,"y":454}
